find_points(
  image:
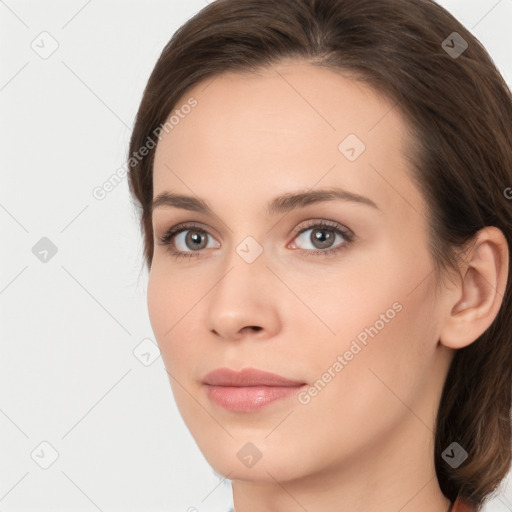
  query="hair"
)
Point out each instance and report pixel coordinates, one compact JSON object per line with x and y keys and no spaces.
{"x":459,"y":109}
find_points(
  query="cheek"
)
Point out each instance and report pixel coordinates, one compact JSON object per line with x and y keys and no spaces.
{"x":173,"y":301}
{"x":160,"y":303}
{"x":169,"y":296}
{"x":166,"y":306}
{"x":385,"y":294}
{"x":379,"y":382}
{"x":381,"y":320}
{"x":170,"y":304}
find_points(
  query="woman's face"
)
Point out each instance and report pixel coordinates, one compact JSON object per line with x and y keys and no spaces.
{"x":346,"y":311}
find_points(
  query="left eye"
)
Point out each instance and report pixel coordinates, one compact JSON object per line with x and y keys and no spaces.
{"x":322,"y":237}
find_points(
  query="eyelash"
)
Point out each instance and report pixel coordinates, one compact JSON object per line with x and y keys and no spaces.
{"x":348,"y":238}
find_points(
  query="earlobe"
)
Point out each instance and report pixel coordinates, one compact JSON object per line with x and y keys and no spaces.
{"x":479,"y":295}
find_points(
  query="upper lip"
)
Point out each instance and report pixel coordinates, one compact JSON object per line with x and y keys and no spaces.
{"x":247,"y":377}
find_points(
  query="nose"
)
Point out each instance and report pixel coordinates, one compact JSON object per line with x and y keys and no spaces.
{"x":244,"y":302}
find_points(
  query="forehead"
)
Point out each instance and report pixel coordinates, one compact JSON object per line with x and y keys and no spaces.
{"x":292,"y":125}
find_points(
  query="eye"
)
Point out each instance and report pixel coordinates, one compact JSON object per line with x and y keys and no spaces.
{"x":323,"y":234}
{"x":179,"y":239}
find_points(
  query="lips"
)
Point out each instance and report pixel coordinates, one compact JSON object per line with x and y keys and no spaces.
{"x":247,"y":390}
{"x":247,"y":377}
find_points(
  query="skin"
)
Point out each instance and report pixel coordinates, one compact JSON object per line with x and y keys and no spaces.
{"x":365,"y":442}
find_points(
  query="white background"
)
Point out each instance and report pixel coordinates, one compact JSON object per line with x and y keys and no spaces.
{"x":69,"y":327}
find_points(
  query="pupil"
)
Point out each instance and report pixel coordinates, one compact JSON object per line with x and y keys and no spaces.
{"x":321,"y":238}
{"x":195,"y":238}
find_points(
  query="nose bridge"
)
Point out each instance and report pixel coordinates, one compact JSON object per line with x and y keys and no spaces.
{"x":245,"y":269}
{"x":242,"y":296}
{"x":246,"y":243}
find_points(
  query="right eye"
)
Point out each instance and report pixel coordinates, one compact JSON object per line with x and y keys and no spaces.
{"x":179,"y":239}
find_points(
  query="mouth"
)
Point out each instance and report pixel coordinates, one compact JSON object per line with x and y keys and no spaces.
{"x":247,"y":390}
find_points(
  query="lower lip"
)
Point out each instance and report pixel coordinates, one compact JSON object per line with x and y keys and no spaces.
{"x":249,"y":398}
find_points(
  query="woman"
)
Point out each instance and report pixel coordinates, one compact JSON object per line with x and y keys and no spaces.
{"x":324,"y":191}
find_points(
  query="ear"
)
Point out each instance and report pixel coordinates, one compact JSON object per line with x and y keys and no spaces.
{"x":478,"y":297}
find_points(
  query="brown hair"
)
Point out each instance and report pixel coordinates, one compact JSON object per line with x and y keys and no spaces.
{"x":460,"y":111}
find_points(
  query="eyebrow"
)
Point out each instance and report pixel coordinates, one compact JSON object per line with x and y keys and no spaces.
{"x":281,"y":204}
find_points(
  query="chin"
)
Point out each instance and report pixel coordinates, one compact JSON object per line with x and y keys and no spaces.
{"x":241,"y":460}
